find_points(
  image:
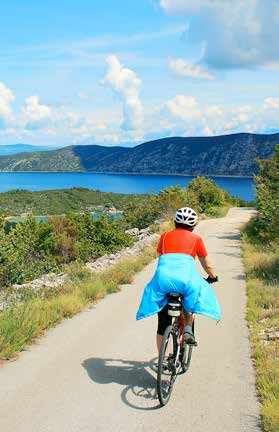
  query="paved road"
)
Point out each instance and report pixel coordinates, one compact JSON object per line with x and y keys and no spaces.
{"x":95,"y":372}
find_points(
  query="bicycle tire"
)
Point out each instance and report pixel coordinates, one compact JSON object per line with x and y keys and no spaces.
{"x":167,"y":370}
{"x":186,"y":353}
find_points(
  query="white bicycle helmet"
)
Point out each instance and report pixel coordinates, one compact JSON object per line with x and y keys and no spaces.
{"x":186,"y":216}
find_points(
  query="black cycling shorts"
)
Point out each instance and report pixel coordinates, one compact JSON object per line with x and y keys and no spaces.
{"x":164,"y":320}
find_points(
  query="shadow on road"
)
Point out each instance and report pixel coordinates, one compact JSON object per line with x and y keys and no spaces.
{"x":229,"y":236}
{"x":140,"y":385}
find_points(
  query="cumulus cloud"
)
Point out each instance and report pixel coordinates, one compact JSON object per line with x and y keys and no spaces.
{"x":271,"y":103}
{"x":125,"y":83}
{"x":36,"y":115}
{"x":186,"y":115}
{"x":6,"y":99}
{"x":183,"y":107}
{"x":183,"y":68}
{"x":232,"y":33}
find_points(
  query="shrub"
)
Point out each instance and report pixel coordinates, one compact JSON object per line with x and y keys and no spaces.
{"x":26,"y":252}
{"x":208,"y":193}
{"x":176,"y":197}
{"x":267,"y":197}
{"x":143,"y":213}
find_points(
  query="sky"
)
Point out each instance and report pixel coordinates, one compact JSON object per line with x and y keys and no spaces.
{"x":121,"y":72}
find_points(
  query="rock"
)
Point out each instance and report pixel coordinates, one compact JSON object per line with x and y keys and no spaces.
{"x":133,"y":232}
{"x":273,"y":335}
{"x":3,"y":306}
{"x":145,"y":231}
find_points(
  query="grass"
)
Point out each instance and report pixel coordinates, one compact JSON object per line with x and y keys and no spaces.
{"x":21,"y":324}
{"x":262,"y":272}
{"x":218,"y":212}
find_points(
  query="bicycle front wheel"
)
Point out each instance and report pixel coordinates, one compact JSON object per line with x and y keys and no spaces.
{"x":167,"y":369}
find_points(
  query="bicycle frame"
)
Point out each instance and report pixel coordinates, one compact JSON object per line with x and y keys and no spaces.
{"x":176,"y":323}
{"x":175,"y":361}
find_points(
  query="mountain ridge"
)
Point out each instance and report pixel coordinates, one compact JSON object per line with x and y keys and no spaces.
{"x":224,"y":155}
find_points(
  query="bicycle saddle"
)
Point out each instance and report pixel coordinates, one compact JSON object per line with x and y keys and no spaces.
{"x":175,"y":296}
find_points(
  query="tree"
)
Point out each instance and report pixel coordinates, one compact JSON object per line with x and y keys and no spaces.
{"x":208,"y":193}
{"x":176,"y":197}
{"x":143,"y":213}
{"x":267,"y":196}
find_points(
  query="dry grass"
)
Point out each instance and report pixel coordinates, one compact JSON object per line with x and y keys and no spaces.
{"x":21,"y":324}
{"x":261,"y":266}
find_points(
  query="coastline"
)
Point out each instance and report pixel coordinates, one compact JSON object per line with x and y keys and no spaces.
{"x":131,"y":173}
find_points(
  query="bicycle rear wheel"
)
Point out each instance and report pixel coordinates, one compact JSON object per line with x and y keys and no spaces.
{"x":186,"y":353}
{"x":167,"y":369}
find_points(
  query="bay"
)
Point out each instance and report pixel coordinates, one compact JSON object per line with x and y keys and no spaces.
{"x":121,"y":183}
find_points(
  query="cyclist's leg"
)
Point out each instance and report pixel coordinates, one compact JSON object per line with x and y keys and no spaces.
{"x":188,"y":318}
{"x":164,"y":320}
{"x":188,"y":324}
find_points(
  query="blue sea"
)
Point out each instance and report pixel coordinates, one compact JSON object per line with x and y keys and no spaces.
{"x":121,"y":183}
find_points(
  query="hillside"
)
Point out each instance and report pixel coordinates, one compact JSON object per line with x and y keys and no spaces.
{"x":221,"y":155}
{"x":61,"y":201}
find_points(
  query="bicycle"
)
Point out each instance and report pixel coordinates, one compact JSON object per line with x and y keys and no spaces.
{"x":175,"y":354}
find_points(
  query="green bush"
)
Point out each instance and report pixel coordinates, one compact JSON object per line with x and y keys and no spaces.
{"x":267,"y":197}
{"x":176,"y":197}
{"x":26,"y":252}
{"x":143,"y":213}
{"x":32,"y":248}
{"x":208,"y":193}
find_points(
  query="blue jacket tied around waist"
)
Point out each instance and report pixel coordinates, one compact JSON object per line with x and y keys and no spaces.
{"x":176,"y":272}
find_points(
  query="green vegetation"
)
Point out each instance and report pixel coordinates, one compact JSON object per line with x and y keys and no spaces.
{"x":55,"y":202}
{"x":261,"y":259}
{"x":31,"y":248}
{"x":36,"y":313}
{"x":63,"y":159}
{"x":267,"y":187}
{"x":202,"y":194}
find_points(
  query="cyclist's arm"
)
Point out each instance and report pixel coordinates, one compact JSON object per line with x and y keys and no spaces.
{"x":207,"y":266}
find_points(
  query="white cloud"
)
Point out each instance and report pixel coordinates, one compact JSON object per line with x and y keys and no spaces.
{"x":183,"y":107}
{"x":187,"y":69}
{"x":271,"y":103}
{"x":187,"y":116}
{"x":125,"y":83}
{"x":185,"y":7}
{"x":36,"y":115}
{"x":207,"y":131}
{"x":232,"y":33}
{"x":6,"y":99}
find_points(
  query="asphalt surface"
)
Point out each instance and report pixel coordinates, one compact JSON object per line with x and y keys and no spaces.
{"x":96,"y":371}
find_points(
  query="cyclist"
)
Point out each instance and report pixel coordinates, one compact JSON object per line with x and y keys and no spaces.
{"x":176,"y":272}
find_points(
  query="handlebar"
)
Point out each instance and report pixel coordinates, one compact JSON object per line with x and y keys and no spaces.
{"x":211,"y":280}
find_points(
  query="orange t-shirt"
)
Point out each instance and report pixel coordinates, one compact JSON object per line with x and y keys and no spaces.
{"x":183,"y":241}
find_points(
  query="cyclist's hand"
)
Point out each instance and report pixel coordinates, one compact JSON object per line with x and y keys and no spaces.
{"x":212,"y":280}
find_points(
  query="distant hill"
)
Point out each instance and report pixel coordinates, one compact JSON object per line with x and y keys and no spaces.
{"x":221,"y":155}
{"x":10,"y":149}
{"x":62,"y":201}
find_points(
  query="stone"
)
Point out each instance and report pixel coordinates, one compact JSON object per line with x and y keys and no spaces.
{"x":273,"y":335}
{"x":133,"y":232}
{"x":145,"y":231}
